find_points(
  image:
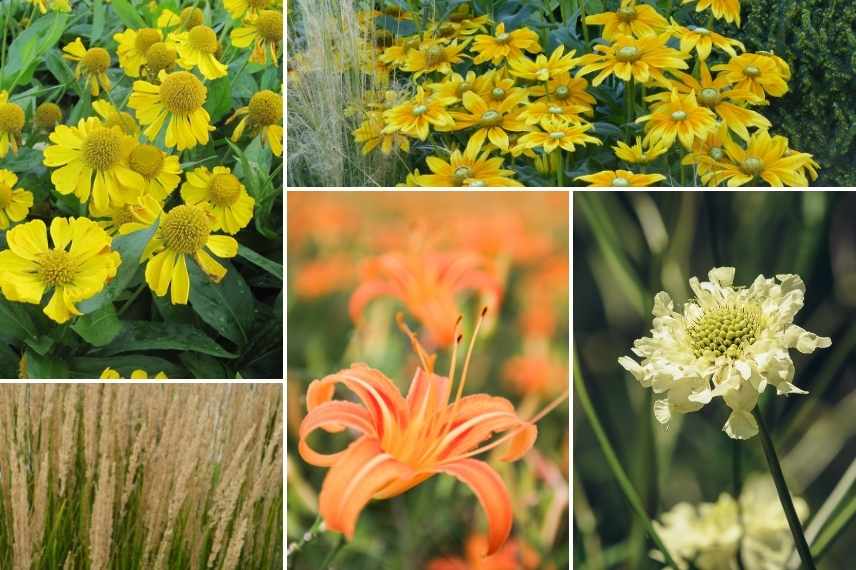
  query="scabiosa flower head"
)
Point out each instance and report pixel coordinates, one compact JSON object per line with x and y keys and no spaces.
{"x":729,"y":341}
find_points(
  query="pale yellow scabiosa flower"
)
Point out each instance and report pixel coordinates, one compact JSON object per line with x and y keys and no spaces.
{"x":184,"y":231}
{"x":133,"y":46}
{"x":11,"y":124}
{"x":92,"y":65}
{"x":138,"y":374}
{"x":14,"y":202}
{"x":177,"y":101}
{"x":264,"y":30}
{"x":198,"y":48}
{"x":262,"y":116}
{"x":231,"y":205}
{"x":729,"y":341}
{"x":79,"y":265}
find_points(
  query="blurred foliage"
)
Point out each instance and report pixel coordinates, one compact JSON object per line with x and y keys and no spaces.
{"x":818,"y":40}
{"x":629,"y":246}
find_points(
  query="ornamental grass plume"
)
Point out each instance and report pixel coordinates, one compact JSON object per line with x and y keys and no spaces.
{"x":729,"y":341}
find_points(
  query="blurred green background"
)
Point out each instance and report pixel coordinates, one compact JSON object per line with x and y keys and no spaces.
{"x":626,"y":248}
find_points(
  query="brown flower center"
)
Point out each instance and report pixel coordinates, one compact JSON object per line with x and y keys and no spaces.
{"x":48,"y":115}
{"x":224,"y":189}
{"x":269,"y":25}
{"x":96,"y":60}
{"x":182,"y":93}
{"x":102,"y":148}
{"x":56,"y":268}
{"x":146,"y":38}
{"x":203,"y":38}
{"x":185,"y":229}
{"x":147,"y":160}
{"x":265,"y":108}
{"x":11,"y":118}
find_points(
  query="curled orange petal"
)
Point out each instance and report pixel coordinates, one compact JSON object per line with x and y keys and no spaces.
{"x":332,"y":416}
{"x":520,"y":443}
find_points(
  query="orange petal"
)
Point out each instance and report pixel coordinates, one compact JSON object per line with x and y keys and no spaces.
{"x":332,"y":416}
{"x":520,"y":443}
{"x":359,"y":473}
{"x":428,"y":392}
{"x":364,"y":294}
{"x":492,"y":494}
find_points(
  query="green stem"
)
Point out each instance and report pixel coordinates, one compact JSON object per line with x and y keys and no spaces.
{"x":582,"y":5}
{"x":333,"y":553}
{"x":629,"y":100}
{"x":560,"y":170}
{"x":131,"y":299}
{"x":614,"y":464}
{"x":784,"y":494}
{"x":834,"y":529}
{"x":737,"y":482}
{"x":307,"y":537}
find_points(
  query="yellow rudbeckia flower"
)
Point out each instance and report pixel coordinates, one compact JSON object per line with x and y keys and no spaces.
{"x":79,"y":265}
{"x":138,"y":374}
{"x":543,"y":68}
{"x":630,"y":19}
{"x":466,"y":169}
{"x":370,"y":134}
{"x":437,"y":57}
{"x":621,"y":179}
{"x":92,"y":65}
{"x":160,"y":171}
{"x":92,"y":158}
{"x":559,"y":135}
{"x":198,"y":48}
{"x":680,"y":117}
{"x":177,"y":100}
{"x":640,"y":153}
{"x":223,"y":192}
{"x":567,"y":90}
{"x":643,"y":59}
{"x":758,"y":73}
{"x":505,"y":45}
{"x":416,"y":116}
{"x":265,"y":31}
{"x":728,"y":10}
{"x":491,"y":121}
{"x":11,"y":124}
{"x":183,"y":231}
{"x":14,"y":202}
{"x":703,"y":40}
{"x":262,"y":116}
{"x":133,"y":47}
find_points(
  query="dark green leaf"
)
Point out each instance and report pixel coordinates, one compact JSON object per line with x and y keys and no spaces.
{"x":261,"y":261}
{"x":141,"y":335}
{"x":97,"y":20}
{"x":26,"y":50}
{"x":99,"y":327}
{"x":45,"y":367}
{"x":15,"y":320}
{"x":129,"y":14}
{"x":219,"y":100}
{"x":203,"y":366}
{"x":8,"y":362}
{"x":228,"y":306}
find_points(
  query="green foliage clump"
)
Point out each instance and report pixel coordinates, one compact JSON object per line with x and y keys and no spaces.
{"x":818,"y":40}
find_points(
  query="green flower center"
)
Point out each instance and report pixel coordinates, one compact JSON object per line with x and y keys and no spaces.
{"x":626,"y":13}
{"x":627,"y":53}
{"x":620,"y":181}
{"x":11,"y":118}
{"x":753,"y":166}
{"x":498,"y":93}
{"x":725,"y":331}
{"x":203,"y":38}
{"x":224,"y":189}
{"x":557,"y":135}
{"x":475,"y":183}
{"x":102,"y":149}
{"x":562,"y":92}
{"x":679,"y":116}
{"x":751,"y":71}
{"x":182,"y":93}
{"x":419,"y":110}
{"x":146,"y":159}
{"x":709,"y":96}
{"x":503,"y":38}
{"x":185,"y":229}
{"x":555,"y":110}
{"x":491,"y":118}
{"x":435,"y":55}
{"x":56,"y":267}
{"x":716,"y":153}
{"x":702,"y":31}
{"x":461,"y":174}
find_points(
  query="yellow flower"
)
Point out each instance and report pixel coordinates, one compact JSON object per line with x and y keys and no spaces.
{"x":436,"y":57}
{"x":226,"y":197}
{"x":559,"y":135}
{"x":92,"y":150}
{"x":567,"y":90}
{"x":466,"y":169}
{"x":183,"y":231}
{"x":703,"y":40}
{"x":263,"y":116}
{"x":505,"y":45}
{"x":718,"y":96}
{"x":161,"y":172}
{"x":11,"y":124}
{"x":263,"y":29}
{"x":92,"y":65}
{"x":758,"y":73}
{"x":113,"y":117}
{"x":643,"y":59}
{"x":198,"y":48}
{"x":14,"y":202}
{"x":54,"y":5}
{"x":621,"y":179}
{"x":237,"y":8}
{"x":138,"y":374}
{"x":544,"y":69}
{"x":178,"y":100}
{"x":416,"y":116}
{"x":630,"y":19}
{"x":455,"y":85}
{"x":548,"y":110}
{"x":116,"y":217}
{"x":370,"y":134}
{"x":764,"y":157}
{"x":491,"y":121}
{"x":729,"y":10}
{"x":708,"y":153}
{"x":495,"y":86}
{"x":133,"y":47}
{"x":78,"y":266}
{"x":186,"y":19}
{"x":640,"y":153}
{"x":48,"y":115}
{"x":396,"y":54}
{"x":680,"y":117}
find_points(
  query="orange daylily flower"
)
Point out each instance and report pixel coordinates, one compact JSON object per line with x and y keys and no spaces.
{"x":513,"y":556}
{"x":427,"y":283}
{"x":405,"y":441}
{"x":535,"y":373}
{"x":324,"y":276}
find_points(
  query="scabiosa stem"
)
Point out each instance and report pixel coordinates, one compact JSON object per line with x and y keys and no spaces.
{"x":615,"y":465}
{"x":784,"y":494}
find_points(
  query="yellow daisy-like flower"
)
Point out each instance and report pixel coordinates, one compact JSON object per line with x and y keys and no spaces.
{"x":183,"y":231}
{"x":133,"y":46}
{"x":53,"y":5}
{"x":177,"y":100}
{"x":495,"y":86}
{"x":92,"y":65}
{"x":548,"y":110}
{"x":758,"y":73}
{"x":567,"y":90}
{"x":543,"y":68}
{"x":630,"y":19}
{"x":48,"y":115}
{"x":491,"y":121}
{"x":437,"y":57}
{"x":396,"y":54}
{"x":621,"y":179}
{"x":14,"y":202}
{"x":455,"y":85}
{"x":160,"y":56}
{"x":640,"y":153}
{"x":728,"y":10}
{"x":79,"y":265}
{"x":559,"y":135}
{"x":186,"y":19}
{"x":263,"y":116}
{"x":113,"y":117}
{"x":504,"y":45}
{"x":238,"y":8}
{"x":198,"y":48}
{"x":116,"y":217}
{"x":264,"y":30}
{"x":93,"y":159}
{"x":370,"y":134}
{"x":11,"y":124}
{"x":466,"y":169}
{"x":223,"y":192}
{"x":644,"y":59}
{"x":765,"y":157}
{"x":416,"y":116}
{"x":680,"y":117}
{"x":138,"y":374}
{"x":161,"y":172}
{"x":703,"y":40}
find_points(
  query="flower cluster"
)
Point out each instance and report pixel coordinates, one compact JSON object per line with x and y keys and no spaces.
{"x":470,"y":101}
